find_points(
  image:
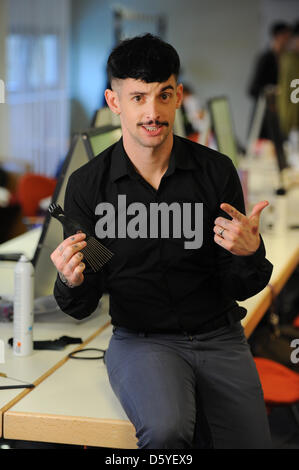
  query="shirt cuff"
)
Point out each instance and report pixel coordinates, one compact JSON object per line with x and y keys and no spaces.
{"x":66,"y":291}
{"x":257,"y":257}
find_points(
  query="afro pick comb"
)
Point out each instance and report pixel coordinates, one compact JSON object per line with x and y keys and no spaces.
{"x":94,"y":252}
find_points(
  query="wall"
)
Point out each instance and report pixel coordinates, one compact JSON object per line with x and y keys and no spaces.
{"x":217,"y":41}
{"x":4,"y":116}
{"x":91,"y":39}
{"x":36,"y":113}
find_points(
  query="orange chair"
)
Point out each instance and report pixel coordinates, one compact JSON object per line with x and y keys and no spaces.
{"x":32,"y":188}
{"x":280,"y":385}
{"x":194,"y":136}
{"x":296,"y":322}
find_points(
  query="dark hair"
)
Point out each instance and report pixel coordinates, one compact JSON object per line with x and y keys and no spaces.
{"x":279,"y":27}
{"x":145,"y":58}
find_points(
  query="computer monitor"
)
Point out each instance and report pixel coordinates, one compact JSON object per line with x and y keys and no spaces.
{"x":83,"y":148}
{"x":52,"y":232}
{"x":266,"y":116}
{"x":222,"y":125}
{"x":98,"y":139}
{"x":178,"y":126}
{"x":105,"y":117}
{"x":256,"y":125}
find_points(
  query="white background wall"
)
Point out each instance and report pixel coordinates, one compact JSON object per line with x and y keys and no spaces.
{"x":39,"y":109}
{"x":217,"y":40}
{"x":4,"y":134}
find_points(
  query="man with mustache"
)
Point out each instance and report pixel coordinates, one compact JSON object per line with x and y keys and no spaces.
{"x":178,"y":360}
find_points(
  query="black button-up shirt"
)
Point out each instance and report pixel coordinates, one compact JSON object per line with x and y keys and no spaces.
{"x":155,"y":283}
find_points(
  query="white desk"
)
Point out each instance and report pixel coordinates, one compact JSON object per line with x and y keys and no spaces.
{"x":74,"y":405}
{"x":73,"y":402}
{"x":36,"y":367}
{"x":26,"y":244}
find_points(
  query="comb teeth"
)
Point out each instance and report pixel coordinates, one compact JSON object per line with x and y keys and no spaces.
{"x":95,"y":253}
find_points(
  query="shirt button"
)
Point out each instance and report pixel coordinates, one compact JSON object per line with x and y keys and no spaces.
{"x":188,"y":334}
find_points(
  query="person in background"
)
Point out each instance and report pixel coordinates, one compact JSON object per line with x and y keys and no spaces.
{"x":266,"y":69}
{"x":192,"y":111}
{"x":288,"y":71}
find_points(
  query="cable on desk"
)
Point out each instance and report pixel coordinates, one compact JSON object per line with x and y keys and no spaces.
{"x":9,"y":387}
{"x":75,"y":354}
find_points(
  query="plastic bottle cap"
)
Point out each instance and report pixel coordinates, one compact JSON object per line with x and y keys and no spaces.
{"x":280,"y":192}
{"x":23,"y":258}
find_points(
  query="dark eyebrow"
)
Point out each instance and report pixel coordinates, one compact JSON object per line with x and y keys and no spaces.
{"x":167,"y":87}
{"x":137,"y":93}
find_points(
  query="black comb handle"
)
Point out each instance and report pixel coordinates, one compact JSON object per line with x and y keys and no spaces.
{"x":95,"y":253}
{"x":70,"y":225}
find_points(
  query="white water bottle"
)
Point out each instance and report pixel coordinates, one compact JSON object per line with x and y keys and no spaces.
{"x":23,"y":307}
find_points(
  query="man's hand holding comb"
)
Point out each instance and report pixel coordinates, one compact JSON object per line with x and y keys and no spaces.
{"x":67,"y":259}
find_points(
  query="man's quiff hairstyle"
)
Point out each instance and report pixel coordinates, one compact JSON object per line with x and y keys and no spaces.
{"x":145,"y":58}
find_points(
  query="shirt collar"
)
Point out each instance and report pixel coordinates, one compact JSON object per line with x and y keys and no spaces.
{"x":121,"y":165}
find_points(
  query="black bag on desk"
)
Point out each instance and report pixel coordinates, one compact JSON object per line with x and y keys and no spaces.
{"x":265,"y":343}
{"x":55,"y":345}
{"x":273,"y":337}
{"x":287,"y":303}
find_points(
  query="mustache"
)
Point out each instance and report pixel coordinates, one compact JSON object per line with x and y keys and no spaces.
{"x":156,"y":122}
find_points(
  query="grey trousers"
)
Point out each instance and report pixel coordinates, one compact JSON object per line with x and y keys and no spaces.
{"x":184,"y":392}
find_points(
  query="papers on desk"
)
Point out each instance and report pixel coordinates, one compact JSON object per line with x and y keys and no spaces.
{"x":45,"y":305}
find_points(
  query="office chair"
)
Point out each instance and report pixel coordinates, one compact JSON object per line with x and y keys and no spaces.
{"x":280,"y":385}
{"x":32,"y":188}
{"x":105,"y":117}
